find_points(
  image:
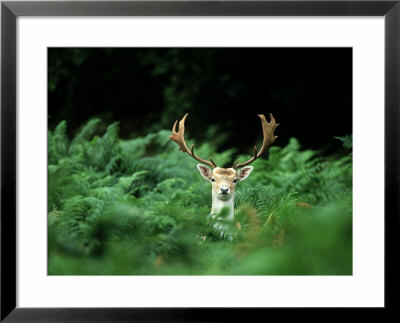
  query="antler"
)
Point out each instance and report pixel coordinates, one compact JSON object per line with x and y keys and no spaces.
{"x":269,"y":139}
{"x":178,"y":137}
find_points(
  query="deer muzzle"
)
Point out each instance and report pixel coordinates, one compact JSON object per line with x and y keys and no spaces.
{"x":224,"y":193}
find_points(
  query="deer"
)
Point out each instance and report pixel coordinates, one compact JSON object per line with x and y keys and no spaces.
{"x":224,"y":180}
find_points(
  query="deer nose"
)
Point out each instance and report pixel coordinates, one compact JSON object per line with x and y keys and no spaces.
{"x":224,"y":190}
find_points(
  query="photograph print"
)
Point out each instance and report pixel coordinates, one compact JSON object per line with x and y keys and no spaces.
{"x":200,"y":161}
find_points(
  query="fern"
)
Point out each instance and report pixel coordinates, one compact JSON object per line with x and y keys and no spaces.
{"x":347,"y":141}
{"x":139,"y":206}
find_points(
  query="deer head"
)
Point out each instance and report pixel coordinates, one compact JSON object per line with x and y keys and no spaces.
{"x":224,"y":180}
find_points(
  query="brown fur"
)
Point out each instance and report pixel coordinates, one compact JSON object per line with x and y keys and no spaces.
{"x":224,"y":177}
{"x":224,"y":171}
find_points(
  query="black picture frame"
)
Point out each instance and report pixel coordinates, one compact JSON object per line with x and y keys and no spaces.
{"x":10,"y":10}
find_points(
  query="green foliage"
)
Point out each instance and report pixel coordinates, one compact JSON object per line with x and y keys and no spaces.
{"x":132,"y":207}
{"x":347,"y":141}
{"x":316,"y":179}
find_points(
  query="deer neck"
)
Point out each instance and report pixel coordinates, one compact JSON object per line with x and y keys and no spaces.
{"x":218,"y":205}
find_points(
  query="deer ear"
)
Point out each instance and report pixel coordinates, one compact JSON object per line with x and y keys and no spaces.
{"x":205,"y":171}
{"x":243,"y":173}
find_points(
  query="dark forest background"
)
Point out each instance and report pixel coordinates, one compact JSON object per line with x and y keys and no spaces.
{"x":308,"y":90}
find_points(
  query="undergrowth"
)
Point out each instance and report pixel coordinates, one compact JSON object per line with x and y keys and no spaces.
{"x":140,"y":207}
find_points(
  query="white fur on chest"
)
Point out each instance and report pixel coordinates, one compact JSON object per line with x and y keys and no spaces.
{"x":218,"y":205}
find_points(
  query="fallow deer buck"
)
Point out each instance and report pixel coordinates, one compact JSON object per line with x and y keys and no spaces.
{"x":224,"y":180}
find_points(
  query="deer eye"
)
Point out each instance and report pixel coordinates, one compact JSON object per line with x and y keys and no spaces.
{"x":235,"y":180}
{"x":213,"y":179}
